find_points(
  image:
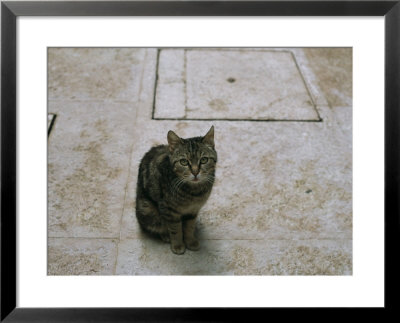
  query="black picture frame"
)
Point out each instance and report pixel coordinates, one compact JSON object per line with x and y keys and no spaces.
{"x":9,"y":13}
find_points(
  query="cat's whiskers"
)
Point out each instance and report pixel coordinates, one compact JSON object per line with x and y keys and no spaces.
{"x":209,"y":179}
{"x":175,"y":185}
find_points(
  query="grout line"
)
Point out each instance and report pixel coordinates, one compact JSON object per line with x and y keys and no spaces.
{"x":155,"y":83}
{"x":249,"y":120}
{"x":311,"y":79}
{"x":185,"y":77}
{"x":305,"y":85}
{"x":123,"y":206}
{"x":52,"y":123}
{"x":130,"y":163}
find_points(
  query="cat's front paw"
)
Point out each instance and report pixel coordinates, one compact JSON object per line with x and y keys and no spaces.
{"x":178,"y":249}
{"x":165,"y":237}
{"x":192,"y":244}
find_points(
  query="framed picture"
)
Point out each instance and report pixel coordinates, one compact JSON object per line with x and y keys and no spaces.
{"x":274,"y":164}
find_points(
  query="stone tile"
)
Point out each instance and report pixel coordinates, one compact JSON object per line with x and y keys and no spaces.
{"x":68,"y":256}
{"x":94,"y":73}
{"x":171,"y":91}
{"x":292,"y":181}
{"x":334,"y":70}
{"x":88,"y":164}
{"x":237,"y":257}
{"x":274,"y":180}
{"x":232,"y":84}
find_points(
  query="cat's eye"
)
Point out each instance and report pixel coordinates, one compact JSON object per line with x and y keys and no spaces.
{"x":203,"y":160}
{"x":184,"y":162}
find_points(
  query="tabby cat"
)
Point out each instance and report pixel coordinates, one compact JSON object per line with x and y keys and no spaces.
{"x":174,"y":182}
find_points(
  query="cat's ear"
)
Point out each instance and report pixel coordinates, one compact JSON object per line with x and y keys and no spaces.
{"x":208,"y":139}
{"x":173,"y":140}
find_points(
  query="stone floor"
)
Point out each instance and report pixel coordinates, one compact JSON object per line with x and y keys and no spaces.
{"x":282,"y":201}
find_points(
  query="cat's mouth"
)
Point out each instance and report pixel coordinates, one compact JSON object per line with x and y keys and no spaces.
{"x":194,"y":180}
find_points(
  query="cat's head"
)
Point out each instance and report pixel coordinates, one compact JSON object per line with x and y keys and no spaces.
{"x":193,"y":159}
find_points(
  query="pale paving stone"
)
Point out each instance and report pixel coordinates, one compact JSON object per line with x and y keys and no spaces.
{"x":69,"y":256}
{"x":171,"y":92}
{"x":95,"y":73}
{"x":237,"y":257}
{"x":235,"y":84}
{"x":344,"y":117}
{"x":88,"y":164}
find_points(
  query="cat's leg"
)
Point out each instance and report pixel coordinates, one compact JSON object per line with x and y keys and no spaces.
{"x":189,"y":227}
{"x":176,"y":237}
{"x":164,"y":235}
{"x":173,"y":221}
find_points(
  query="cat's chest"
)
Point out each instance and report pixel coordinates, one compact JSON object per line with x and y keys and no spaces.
{"x":192,"y":205}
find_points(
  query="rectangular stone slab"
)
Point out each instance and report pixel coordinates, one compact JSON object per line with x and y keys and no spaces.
{"x":88,"y":163}
{"x":231,"y":84}
{"x":94,"y":73}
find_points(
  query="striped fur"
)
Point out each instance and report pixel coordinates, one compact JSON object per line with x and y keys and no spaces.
{"x":174,"y":182}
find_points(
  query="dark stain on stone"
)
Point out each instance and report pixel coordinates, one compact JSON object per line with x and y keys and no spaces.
{"x":242,"y":261}
{"x":267,"y":164}
{"x":84,"y":134}
{"x":181,"y":125}
{"x":218,"y":105}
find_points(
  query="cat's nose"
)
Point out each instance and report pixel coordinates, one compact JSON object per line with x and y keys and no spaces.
{"x":195,"y":170}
